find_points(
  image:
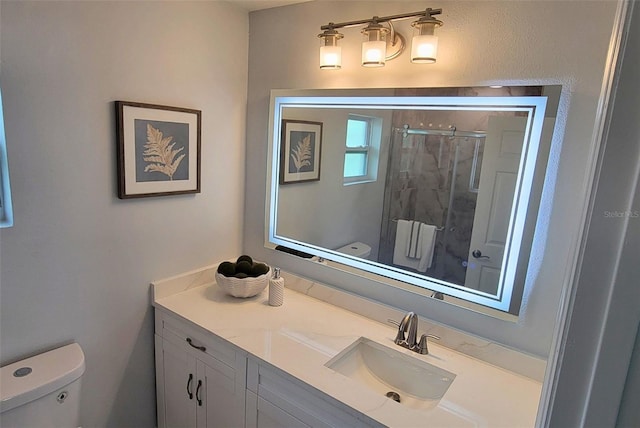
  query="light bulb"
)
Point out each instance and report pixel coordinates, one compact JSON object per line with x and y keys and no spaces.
{"x":330,"y":52}
{"x":330,"y":57}
{"x":374,"y":45}
{"x":424,"y":49}
{"x":373,"y":54}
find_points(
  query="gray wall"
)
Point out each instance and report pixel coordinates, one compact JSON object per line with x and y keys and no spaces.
{"x":77,"y":264}
{"x":499,"y":42}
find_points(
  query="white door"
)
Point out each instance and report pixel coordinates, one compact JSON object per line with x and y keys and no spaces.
{"x":498,"y":176}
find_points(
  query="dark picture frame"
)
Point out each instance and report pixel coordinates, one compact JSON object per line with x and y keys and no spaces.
{"x":158,"y":150}
{"x":300,"y":151}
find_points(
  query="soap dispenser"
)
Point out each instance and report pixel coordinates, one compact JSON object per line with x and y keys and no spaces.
{"x":276,"y":288}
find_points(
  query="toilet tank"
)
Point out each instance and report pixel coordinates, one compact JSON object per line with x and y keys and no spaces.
{"x":44,"y":390}
{"x":356,"y":249}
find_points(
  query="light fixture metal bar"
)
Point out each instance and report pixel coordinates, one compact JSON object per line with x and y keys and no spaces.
{"x":429,"y":11}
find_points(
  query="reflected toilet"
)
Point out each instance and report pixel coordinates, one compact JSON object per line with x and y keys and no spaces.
{"x":356,"y":249}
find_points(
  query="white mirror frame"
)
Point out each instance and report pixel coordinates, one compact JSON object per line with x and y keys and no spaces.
{"x":513,"y":258}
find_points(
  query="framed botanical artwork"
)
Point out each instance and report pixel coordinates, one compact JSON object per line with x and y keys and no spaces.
{"x":158,"y":150}
{"x":300,"y":149}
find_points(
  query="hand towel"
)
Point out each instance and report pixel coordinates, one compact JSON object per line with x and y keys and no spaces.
{"x":414,"y":251}
{"x":403,"y":233}
{"x":427,"y":246}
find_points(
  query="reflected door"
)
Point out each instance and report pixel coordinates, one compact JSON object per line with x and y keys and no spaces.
{"x":498,"y":176}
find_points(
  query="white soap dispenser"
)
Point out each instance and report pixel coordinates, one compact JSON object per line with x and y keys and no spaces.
{"x":276,"y":288}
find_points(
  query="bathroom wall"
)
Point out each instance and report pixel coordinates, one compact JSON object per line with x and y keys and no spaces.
{"x":509,"y":43}
{"x":77,"y":264}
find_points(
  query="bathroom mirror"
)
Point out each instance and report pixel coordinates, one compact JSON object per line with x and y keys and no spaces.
{"x":433,"y":190}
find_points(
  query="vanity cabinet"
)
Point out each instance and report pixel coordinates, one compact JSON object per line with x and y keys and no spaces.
{"x":200,"y":380}
{"x":276,"y":399}
{"x":204,"y":381}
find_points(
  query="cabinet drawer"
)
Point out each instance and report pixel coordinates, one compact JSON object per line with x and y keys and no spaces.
{"x":195,"y":339}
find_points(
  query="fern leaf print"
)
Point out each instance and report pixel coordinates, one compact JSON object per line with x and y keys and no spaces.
{"x":301,"y":153}
{"x":161,"y":153}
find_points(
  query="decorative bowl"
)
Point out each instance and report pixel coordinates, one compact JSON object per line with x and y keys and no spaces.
{"x":243,"y":287}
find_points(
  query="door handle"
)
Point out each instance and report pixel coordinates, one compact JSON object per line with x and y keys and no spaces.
{"x":477,"y":254}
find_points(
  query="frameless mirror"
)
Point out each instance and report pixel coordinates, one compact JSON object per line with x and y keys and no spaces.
{"x":438,"y":193}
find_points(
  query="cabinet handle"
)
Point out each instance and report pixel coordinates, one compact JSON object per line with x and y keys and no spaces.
{"x":201,"y":348}
{"x":198,"y":393}
{"x":189,"y":386}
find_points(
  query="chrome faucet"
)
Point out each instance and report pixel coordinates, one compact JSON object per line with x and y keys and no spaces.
{"x":408,"y":334}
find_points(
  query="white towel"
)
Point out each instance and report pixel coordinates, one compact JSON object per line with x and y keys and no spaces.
{"x":424,"y":239}
{"x":403,"y":234}
{"x":413,"y":243}
{"x":427,"y":245}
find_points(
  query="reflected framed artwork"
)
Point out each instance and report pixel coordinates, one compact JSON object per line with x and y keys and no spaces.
{"x":300,"y":150}
{"x":158,"y":150}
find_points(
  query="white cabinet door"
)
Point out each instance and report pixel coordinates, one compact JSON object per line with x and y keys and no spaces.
{"x":178,"y":384}
{"x":200,"y":380}
{"x":275,"y":399}
{"x":271,"y":416}
{"x":219,"y":398}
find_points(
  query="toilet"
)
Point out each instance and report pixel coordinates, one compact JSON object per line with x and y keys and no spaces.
{"x":356,"y":249}
{"x":43,"y":390}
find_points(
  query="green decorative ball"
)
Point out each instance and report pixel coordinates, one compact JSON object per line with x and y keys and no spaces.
{"x":243,"y":267}
{"x":259,"y":269}
{"x":241,"y":275}
{"x":244,"y":258}
{"x":227,"y":268}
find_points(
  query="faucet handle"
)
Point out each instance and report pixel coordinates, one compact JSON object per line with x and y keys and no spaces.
{"x":423,"y":346}
{"x":400,"y":335}
{"x":402,"y":328}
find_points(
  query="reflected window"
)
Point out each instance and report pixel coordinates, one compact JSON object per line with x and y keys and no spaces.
{"x":361,"y":149}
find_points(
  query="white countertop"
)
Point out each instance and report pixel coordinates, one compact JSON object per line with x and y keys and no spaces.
{"x":301,"y":336}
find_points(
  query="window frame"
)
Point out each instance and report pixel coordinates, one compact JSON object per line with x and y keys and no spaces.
{"x":369,"y":150}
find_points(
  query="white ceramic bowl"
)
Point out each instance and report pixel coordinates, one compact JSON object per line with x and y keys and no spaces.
{"x":245,"y":287}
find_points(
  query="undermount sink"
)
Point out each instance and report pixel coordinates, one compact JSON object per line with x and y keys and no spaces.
{"x":403,"y":378}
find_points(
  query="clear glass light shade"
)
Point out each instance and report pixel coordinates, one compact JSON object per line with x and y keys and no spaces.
{"x":424,"y":49}
{"x":330,"y":57}
{"x":374,"y":53}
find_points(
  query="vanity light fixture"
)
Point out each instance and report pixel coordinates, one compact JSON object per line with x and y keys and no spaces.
{"x":424,"y":45}
{"x":330,"y":52}
{"x":374,"y":45}
{"x":381,"y":42}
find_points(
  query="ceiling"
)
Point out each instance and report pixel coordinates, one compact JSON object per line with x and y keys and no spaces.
{"x":251,"y":5}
